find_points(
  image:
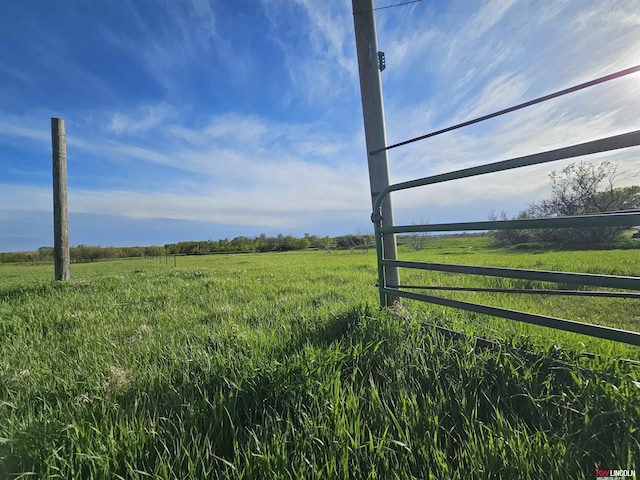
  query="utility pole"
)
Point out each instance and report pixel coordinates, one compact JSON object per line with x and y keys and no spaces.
{"x":61,"y":258}
{"x":370,"y":63}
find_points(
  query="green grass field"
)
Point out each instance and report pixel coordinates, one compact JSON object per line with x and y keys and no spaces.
{"x":282,"y":366}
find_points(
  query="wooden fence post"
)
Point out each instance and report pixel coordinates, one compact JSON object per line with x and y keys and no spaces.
{"x":61,"y":257}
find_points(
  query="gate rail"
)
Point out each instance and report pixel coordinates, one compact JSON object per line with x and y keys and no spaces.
{"x":617,"y":218}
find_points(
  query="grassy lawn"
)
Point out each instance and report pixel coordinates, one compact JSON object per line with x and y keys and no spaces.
{"x":613,"y":312}
{"x":282,"y":366}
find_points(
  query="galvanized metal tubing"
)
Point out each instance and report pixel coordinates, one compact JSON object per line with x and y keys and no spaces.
{"x":599,"y":331}
{"x":524,"y":291}
{"x":615,"y":142}
{"x":604,"y":219}
{"x":559,"y":93}
{"x":591,"y":279}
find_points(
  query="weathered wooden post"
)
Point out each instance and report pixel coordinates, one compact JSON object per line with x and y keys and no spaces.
{"x":370,"y":65}
{"x":61,"y":257}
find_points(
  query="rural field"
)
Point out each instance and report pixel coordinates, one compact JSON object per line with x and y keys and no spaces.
{"x":281,"y":365}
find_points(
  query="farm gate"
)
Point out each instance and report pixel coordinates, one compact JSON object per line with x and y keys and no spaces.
{"x":615,"y":285}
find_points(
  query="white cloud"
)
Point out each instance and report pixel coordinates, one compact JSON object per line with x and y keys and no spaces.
{"x":173,"y":42}
{"x":151,"y":117}
{"x":235,"y":170}
{"x":10,"y":129}
{"x":273,"y":166}
{"x":520,"y":52}
{"x":18,"y":201}
{"x":318,"y":44}
{"x":489,"y":15}
{"x":228,"y":128}
{"x":500,"y":92}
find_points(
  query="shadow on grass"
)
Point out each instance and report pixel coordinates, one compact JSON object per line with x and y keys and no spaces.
{"x":43,"y":289}
{"x":258,"y":415}
{"x":215,"y":407}
{"x":545,"y":247}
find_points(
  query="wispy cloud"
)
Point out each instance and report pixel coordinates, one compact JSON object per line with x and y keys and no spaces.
{"x":237,"y":170}
{"x":10,"y":129}
{"x":520,"y":56}
{"x":250,"y":116}
{"x":318,"y":46}
{"x":123,"y":123}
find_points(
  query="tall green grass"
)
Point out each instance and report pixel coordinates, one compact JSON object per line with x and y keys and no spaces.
{"x":282,"y":366}
{"x":613,"y":312}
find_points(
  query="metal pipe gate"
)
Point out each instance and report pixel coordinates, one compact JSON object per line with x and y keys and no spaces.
{"x":631,"y":285}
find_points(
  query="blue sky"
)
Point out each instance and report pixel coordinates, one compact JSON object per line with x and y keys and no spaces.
{"x":205,"y":119}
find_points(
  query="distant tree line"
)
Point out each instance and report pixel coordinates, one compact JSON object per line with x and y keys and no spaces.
{"x":82,"y":253}
{"x":261,"y":243}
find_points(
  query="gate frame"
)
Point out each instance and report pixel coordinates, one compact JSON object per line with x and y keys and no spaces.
{"x":617,"y":218}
